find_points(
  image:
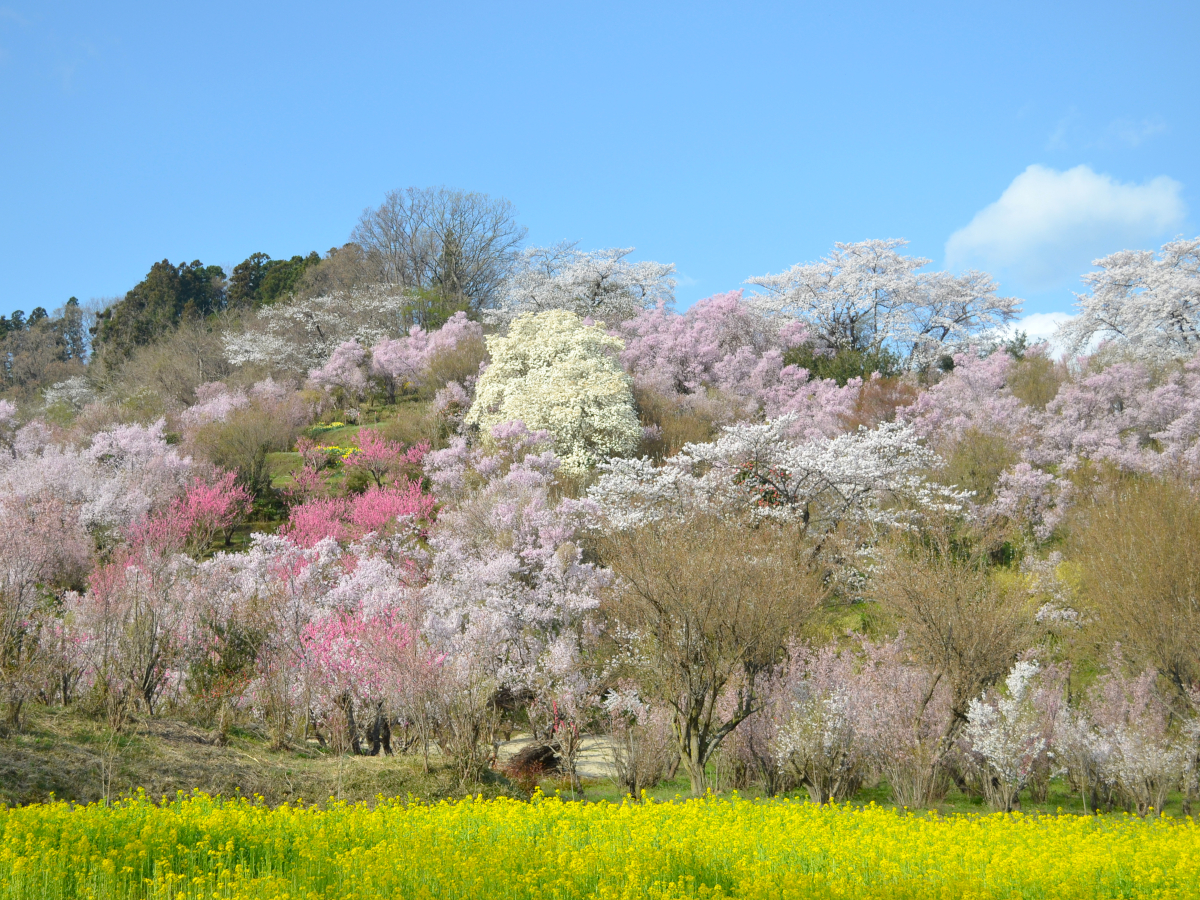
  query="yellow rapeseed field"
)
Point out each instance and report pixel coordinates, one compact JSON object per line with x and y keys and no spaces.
{"x":206,"y":848}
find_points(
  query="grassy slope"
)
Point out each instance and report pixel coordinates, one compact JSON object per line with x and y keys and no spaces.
{"x":71,"y":755}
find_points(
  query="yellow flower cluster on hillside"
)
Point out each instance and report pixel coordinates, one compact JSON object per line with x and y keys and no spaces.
{"x":202,"y":847}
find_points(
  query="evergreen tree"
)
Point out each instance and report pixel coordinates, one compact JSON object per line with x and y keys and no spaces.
{"x":158,"y":302}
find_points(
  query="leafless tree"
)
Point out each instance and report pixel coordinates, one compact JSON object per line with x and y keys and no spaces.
{"x":1136,"y":547}
{"x":459,"y":243}
{"x":699,"y":610}
{"x":342,"y":270}
{"x":958,"y":620}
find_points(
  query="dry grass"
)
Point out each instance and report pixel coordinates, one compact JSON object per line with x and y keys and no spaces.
{"x":67,"y":754}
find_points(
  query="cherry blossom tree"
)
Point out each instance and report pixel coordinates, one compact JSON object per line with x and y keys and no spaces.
{"x":1120,"y":415}
{"x":510,"y":599}
{"x":355,"y":665}
{"x":597,"y":284}
{"x":1147,"y":302}
{"x":118,"y":478}
{"x":904,"y":717}
{"x":8,"y":426}
{"x":763,"y":469}
{"x":1007,"y":733}
{"x":136,"y":624}
{"x":343,"y":371}
{"x":1146,"y":757}
{"x":724,"y":346}
{"x":866,"y":296}
{"x":409,"y":359}
{"x":44,"y":550}
{"x":300,"y":335}
{"x":818,"y":731}
{"x":214,"y":403}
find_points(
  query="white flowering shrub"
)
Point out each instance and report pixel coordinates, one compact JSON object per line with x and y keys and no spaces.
{"x":1006,"y":735}
{"x":554,"y":373}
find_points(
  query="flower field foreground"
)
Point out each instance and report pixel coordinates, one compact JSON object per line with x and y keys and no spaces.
{"x":203,"y":847}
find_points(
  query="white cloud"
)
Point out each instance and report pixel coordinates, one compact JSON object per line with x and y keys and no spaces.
{"x":1039,"y":327}
{"x":1048,"y":226}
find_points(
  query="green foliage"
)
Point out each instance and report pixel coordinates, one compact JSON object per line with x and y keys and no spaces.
{"x":158,"y":303}
{"x":1036,"y":379}
{"x":41,"y":349}
{"x":431,"y":308}
{"x":976,"y":463}
{"x":356,"y":481}
{"x":844,"y":364}
{"x":242,"y":443}
{"x":259,"y":280}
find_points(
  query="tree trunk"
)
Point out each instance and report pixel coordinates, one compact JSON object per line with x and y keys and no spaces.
{"x":696,"y":775}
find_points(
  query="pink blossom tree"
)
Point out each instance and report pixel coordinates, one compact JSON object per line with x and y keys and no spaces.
{"x":344,"y":371}
{"x":510,"y":599}
{"x":407,"y":360}
{"x":379,"y":509}
{"x":383,"y":459}
{"x":44,"y":549}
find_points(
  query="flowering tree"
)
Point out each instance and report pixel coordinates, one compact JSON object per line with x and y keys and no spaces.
{"x":553,"y":372}
{"x":903,"y":718}
{"x":724,"y":345}
{"x":378,"y":509}
{"x":343,"y":371}
{"x":8,"y":426}
{"x":599,"y":284}
{"x":763,"y":469}
{"x":355,"y":665}
{"x":44,"y":548}
{"x":1007,"y":733}
{"x":280,"y":590}
{"x":1120,"y":415}
{"x":866,"y":296}
{"x":510,"y":600}
{"x":301,"y":335}
{"x":214,"y":403}
{"x":832,"y":714}
{"x":975,"y":397}
{"x":192,"y":521}
{"x":408,"y":360}
{"x":1149,"y":303}
{"x":383,"y":459}
{"x":117,"y":479}
{"x":1126,"y":731}
{"x":818,"y":736}
{"x":135,"y":626}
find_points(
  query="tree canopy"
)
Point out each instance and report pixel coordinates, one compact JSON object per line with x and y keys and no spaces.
{"x":158,"y":302}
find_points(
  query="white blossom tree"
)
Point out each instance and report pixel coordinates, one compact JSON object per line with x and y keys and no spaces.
{"x":601,"y":284}
{"x":554,"y":373}
{"x":763,"y":468}
{"x":867,"y":296}
{"x":1150,"y":303}
{"x":1005,"y":732}
{"x":301,"y":335}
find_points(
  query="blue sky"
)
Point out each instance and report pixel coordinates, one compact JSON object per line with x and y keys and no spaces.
{"x":732,"y":140}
